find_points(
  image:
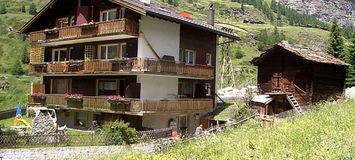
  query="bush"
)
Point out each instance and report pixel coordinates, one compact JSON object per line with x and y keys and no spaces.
{"x":17,"y":69}
{"x":33,"y":9}
{"x":120,"y":133}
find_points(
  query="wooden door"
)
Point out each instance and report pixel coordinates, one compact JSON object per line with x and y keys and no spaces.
{"x":282,"y":82}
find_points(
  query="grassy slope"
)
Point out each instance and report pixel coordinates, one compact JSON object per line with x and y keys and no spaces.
{"x":11,"y":48}
{"x":11,"y":44}
{"x":328,"y":132}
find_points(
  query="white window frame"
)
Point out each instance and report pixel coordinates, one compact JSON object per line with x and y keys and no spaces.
{"x":107,"y":11}
{"x":58,"y":49}
{"x":208,"y":89}
{"x":208,"y":59}
{"x":107,"y":45}
{"x":187,"y":57}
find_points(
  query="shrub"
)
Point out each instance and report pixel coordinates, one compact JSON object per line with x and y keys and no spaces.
{"x":119,"y":133}
{"x":33,"y":9}
{"x":17,"y":69}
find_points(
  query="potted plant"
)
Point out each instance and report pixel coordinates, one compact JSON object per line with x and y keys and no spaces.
{"x":74,"y":100}
{"x":38,"y":97}
{"x":118,"y":102}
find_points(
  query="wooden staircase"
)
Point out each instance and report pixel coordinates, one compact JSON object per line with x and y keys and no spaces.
{"x":292,"y":100}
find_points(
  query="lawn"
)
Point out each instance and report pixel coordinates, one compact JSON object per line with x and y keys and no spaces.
{"x":328,"y":132}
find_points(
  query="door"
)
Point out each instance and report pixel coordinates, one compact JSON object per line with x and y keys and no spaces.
{"x":282,"y":82}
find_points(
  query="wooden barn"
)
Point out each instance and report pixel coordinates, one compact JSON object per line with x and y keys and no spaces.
{"x":294,"y":77}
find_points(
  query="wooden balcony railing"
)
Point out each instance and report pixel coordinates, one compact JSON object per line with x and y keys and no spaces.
{"x":97,"y":103}
{"x":131,"y":65}
{"x":119,"y":26}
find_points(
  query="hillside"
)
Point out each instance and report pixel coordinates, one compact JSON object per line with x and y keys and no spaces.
{"x":229,"y":14}
{"x":325,"y":133}
{"x":343,"y":10}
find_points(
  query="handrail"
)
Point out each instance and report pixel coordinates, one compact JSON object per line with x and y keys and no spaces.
{"x":297,"y":87}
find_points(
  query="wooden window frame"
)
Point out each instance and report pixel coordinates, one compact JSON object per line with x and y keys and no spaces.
{"x":58,"y":49}
{"x":118,"y":82}
{"x":118,"y":53}
{"x":121,"y":49}
{"x":108,"y":11}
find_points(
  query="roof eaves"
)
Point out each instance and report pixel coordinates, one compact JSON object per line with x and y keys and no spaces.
{"x":45,"y":8}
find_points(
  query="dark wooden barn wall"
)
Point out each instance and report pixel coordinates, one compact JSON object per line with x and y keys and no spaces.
{"x":292,"y":68}
{"x":328,"y":80}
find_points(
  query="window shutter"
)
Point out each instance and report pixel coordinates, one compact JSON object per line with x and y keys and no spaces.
{"x":36,"y":54}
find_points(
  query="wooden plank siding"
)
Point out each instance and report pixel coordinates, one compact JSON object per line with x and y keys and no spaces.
{"x":281,"y":72}
{"x":97,"y":103}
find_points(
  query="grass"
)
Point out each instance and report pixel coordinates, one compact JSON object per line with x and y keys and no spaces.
{"x":10,"y":121}
{"x":328,"y":132}
{"x":18,"y":92}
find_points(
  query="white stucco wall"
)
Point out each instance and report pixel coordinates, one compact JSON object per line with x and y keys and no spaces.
{"x":158,"y":121}
{"x":163,"y":36}
{"x":158,"y":87}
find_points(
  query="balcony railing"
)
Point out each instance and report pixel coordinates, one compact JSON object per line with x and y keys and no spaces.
{"x":119,"y":26}
{"x":130,"y":65}
{"x":97,"y":103}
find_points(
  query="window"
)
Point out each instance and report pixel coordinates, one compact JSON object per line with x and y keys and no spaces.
{"x":124,"y":52}
{"x":60,"y":86}
{"x":72,"y":21}
{"x":181,"y":55}
{"x":107,"y":51}
{"x":208,"y":59}
{"x":81,"y":118}
{"x":208,"y":89}
{"x":107,"y":87}
{"x":62,"y":22}
{"x":59,"y":55}
{"x":121,"y":13}
{"x":108,"y":15}
{"x":190,"y":57}
{"x":71,"y":51}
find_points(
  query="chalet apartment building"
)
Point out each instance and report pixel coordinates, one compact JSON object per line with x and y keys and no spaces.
{"x":90,"y":52}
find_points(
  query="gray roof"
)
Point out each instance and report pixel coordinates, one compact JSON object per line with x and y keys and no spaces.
{"x":310,"y":54}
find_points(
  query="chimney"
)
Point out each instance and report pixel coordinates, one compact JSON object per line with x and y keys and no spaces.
{"x":210,"y":15}
{"x":186,"y":14}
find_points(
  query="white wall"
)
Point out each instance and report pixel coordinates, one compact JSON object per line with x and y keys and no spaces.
{"x":158,"y":87}
{"x":163,"y":36}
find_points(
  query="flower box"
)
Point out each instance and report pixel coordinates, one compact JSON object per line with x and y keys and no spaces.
{"x":118,"y":103}
{"x":74,"y":100}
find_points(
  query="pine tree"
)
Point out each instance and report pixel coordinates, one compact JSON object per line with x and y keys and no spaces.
{"x":3,"y":8}
{"x":336,"y":41}
{"x":350,"y":76}
{"x":33,"y":9}
{"x":23,"y":9}
{"x":17,"y":69}
{"x":239,"y":54}
{"x":25,"y":59}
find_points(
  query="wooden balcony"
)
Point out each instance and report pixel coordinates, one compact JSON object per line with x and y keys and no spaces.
{"x":131,"y":65}
{"x":101,"y":104}
{"x":119,"y":26}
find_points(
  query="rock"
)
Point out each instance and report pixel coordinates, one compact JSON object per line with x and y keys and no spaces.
{"x":327,"y":10}
{"x":43,"y":125}
{"x":350,"y":93}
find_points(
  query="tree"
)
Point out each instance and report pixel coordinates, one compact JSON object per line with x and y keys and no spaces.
{"x":23,"y":9}
{"x":239,"y":54}
{"x":25,"y":59}
{"x":33,"y":9}
{"x":350,"y":76}
{"x":3,"y":8}
{"x":242,"y":7}
{"x":336,"y":41}
{"x":17,"y":69}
